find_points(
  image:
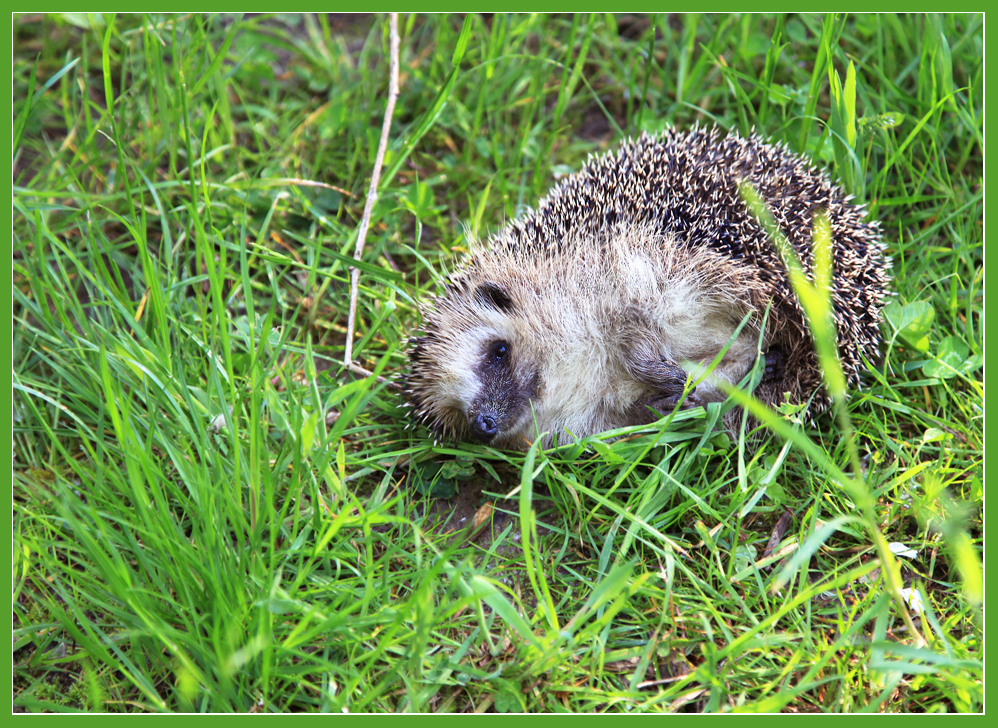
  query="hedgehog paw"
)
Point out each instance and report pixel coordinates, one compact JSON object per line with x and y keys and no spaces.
{"x":775,"y":360}
{"x":667,"y":401}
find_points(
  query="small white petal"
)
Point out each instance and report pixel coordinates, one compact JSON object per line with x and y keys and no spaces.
{"x":900,"y":549}
{"x":914,"y":599}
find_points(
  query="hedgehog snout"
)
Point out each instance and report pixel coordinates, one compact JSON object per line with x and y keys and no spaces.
{"x":484,"y":426}
{"x":493,"y":411}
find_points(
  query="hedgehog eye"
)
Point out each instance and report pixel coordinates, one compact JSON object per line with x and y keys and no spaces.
{"x":498,"y":352}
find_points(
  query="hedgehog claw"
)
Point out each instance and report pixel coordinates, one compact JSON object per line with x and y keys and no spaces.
{"x":666,"y":404}
{"x":672,"y":394}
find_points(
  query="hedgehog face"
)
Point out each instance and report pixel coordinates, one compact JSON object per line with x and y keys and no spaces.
{"x":471,"y":376}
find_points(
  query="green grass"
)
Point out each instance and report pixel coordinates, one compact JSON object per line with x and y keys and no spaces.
{"x":193,"y":532}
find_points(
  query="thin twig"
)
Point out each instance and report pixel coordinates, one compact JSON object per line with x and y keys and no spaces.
{"x":372,"y":192}
{"x":281,"y":181}
{"x":358,"y":369}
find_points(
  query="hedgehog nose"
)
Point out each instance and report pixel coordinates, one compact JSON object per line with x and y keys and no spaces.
{"x":484,"y":427}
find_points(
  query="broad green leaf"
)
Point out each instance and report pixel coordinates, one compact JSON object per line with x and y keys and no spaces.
{"x":950,"y":359}
{"x":911,"y":322}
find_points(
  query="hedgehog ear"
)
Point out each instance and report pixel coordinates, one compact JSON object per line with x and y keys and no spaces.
{"x":492,"y":295}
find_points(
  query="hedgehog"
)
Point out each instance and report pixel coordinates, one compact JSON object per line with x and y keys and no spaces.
{"x":606,"y":306}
